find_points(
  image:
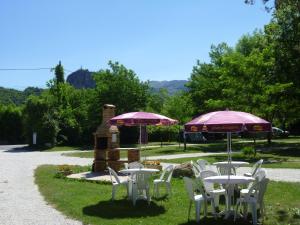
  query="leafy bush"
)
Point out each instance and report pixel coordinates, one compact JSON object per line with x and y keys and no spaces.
{"x":11,"y":124}
{"x":183,"y":170}
{"x":63,"y":171}
{"x":163,"y":133}
{"x":248,"y":151}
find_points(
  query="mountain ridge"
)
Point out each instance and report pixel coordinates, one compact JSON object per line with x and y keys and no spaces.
{"x":82,"y":78}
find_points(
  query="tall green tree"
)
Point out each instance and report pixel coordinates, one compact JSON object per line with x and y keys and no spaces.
{"x":59,"y":73}
{"x":119,"y":86}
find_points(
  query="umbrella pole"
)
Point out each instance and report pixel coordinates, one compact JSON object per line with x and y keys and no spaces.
{"x":140,"y":139}
{"x":229,"y":152}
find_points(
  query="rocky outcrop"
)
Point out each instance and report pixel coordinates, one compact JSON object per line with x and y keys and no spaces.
{"x":81,"y":79}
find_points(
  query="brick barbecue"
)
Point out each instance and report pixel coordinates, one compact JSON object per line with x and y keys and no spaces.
{"x":107,"y":144}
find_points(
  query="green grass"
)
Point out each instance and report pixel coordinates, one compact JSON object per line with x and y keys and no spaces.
{"x":60,"y":148}
{"x":281,"y":153}
{"x":90,"y":203}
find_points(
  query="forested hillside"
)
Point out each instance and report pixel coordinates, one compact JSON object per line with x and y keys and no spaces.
{"x":12,"y":96}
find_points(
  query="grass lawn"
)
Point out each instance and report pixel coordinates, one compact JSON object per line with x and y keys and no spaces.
{"x":90,"y":203}
{"x":61,"y":148}
{"x":281,"y":153}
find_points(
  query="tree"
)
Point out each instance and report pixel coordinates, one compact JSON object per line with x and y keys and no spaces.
{"x":156,"y":100}
{"x":119,"y":86}
{"x":11,"y":124}
{"x":244,"y":78}
{"x":40,"y":117}
{"x":59,"y":73}
{"x":180,"y":107}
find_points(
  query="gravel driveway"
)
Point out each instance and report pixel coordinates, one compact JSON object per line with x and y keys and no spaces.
{"x":21,"y":202}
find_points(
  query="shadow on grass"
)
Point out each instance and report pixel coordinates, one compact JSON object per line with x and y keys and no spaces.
{"x":221,"y":221}
{"x":123,"y":209}
{"x":282,"y":215}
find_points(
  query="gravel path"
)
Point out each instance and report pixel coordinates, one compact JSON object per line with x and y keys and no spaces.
{"x":21,"y":202}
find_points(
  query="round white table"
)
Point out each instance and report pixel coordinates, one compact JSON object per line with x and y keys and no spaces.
{"x":228,"y":183}
{"x":136,"y":170}
{"x":233,"y":163}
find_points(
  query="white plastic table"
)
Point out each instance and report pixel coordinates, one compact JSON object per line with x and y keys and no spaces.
{"x":228,"y":183}
{"x":233,"y":163}
{"x":136,"y":170}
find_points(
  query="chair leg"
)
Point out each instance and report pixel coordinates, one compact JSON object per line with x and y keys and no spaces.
{"x":205,"y":208}
{"x":113,"y":193}
{"x":254,"y":214}
{"x":197,"y":206}
{"x":236,"y":209}
{"x":245,"y":210}
{"x":216,"y":200}
{"x":189,"y":212}
{"x":134,"y":193}
{"x":213,"y":208}
{"x":169,"y":189}
{"x":148,"y":196}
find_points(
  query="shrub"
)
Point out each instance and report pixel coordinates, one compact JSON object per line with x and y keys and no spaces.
{"x":248,"y":151}
{"x":183,"y":170}
{"x":63,"y":171}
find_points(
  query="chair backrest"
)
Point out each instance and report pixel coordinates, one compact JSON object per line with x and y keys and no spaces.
{"x":114,"y":175}
{"x":260,"y":174}
{"x":207,"y":185}
{"x":256,"y":166}
{"x":195,"y":169}
{"x":262,"y":190}
{"x":188,"y":182}
{"x":134,"y":165}
{"x":202,"y":164}
{"x":169,"y":170}
{"x":226,"y":169}
{"x":142,"y":180}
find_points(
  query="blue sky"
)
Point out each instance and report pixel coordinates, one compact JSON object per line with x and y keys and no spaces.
{"x":159,"y":40}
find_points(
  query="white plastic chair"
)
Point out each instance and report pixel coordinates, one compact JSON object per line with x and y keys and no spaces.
{"x":165,"y":178}
{"x":254,"y":168}
{"x":203,"y":164}
{"x":141,"y":187}
{"x":210,"y":191}
{"x":198,"y":199}
{"x":195,"y":169}
{"x":226,"y":169}
{"x":254,"y":198}
{"x":134,"y":165}
{"x":260,"y":174}
{"x":116,"y":182}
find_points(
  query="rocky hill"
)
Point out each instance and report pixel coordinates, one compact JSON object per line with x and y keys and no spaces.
{"x":83,"y":79}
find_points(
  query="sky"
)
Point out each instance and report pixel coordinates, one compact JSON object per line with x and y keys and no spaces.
{"x":159,"y":40}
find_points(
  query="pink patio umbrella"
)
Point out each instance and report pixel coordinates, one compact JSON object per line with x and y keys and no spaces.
{"x":141,"y":119}
{"x":228,"y":122}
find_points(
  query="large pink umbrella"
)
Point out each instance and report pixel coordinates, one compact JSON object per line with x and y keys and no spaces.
{"x":141,"y":119}
{"x":228,"y":122}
